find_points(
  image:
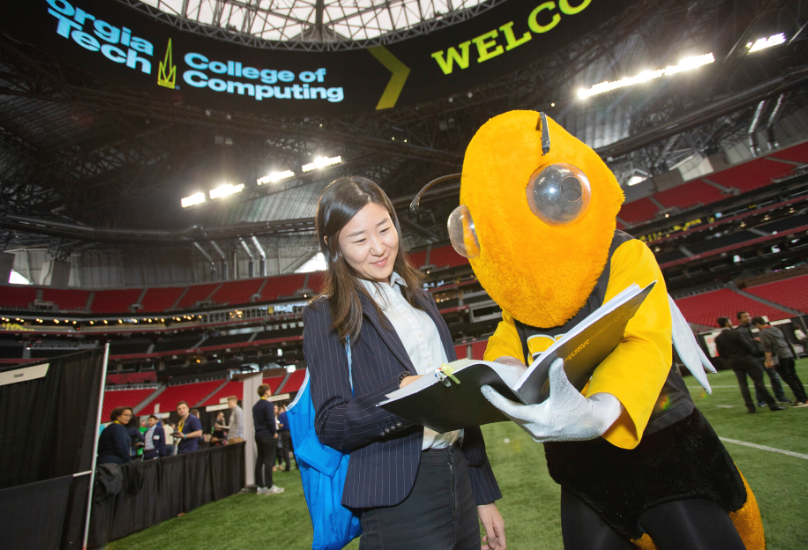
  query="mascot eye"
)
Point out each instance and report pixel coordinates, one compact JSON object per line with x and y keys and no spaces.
{"x":558,"y":194}
{"x":462,"y":233}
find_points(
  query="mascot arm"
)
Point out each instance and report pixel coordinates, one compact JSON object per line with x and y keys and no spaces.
{"x":505,"y":341}
{"x":636,"y":370}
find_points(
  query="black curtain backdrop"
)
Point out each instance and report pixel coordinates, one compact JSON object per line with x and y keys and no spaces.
{"x":33,"y":515}
{"x":170,"y":485}
{"x":49,"y":423}
{"x":47,"y":435}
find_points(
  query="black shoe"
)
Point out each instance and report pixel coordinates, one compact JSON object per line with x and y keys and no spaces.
{"x":751,"y":409}
{"x":784,"y":400}
{"x":776,"y":407}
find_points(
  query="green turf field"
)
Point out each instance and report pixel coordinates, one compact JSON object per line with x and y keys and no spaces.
{"x":531,"y":498}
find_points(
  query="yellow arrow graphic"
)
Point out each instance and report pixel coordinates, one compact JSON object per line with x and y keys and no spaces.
{"x":400,"y":73}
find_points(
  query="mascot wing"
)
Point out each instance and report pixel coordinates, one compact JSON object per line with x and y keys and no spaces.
{"x":688,"y":349}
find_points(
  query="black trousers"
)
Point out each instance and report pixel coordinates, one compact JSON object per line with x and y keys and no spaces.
{"x":286,"y":446}
{"x":788,"y":373}
{"x":695,"y":524}
{"x":439,"y":513}
{"x":748,"y":366}
{"x":266,"y":457}
{"x":777,"y":386}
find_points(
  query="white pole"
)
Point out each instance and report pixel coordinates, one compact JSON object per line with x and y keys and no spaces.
{"x":95,"y":446}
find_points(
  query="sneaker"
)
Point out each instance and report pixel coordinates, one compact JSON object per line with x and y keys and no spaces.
{"x":274,"y":490}
{"x":761,"y":404}
{"x":262,"y":491}
{"x":803,"y":404}
{"x":785,"y":400}
{"x":776,"y":407}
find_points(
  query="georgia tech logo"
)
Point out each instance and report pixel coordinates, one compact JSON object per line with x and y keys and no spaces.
{"x":167,"y":73}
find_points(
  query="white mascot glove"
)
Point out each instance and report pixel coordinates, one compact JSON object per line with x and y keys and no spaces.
{"x":566,"y":416}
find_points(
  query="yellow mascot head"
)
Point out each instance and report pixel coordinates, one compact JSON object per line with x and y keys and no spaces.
{"x":538,"y":213}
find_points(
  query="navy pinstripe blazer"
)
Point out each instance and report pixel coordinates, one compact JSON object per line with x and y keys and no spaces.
{"x":385,"y":449}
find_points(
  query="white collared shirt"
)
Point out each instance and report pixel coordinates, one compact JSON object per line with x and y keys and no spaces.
{"x":420,"y":337}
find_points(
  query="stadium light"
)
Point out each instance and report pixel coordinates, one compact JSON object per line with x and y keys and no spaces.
{"x":686,"y":64}
{"x":322,"y":162}
{"x":276,"y":176}
{"x":225,"y":190}
{"x":196,"y":198}
{"x":763,"y":43}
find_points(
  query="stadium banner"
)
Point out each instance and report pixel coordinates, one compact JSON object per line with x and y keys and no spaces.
{"x":125,"y":46}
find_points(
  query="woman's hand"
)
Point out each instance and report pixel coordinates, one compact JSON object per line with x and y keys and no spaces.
{"x":409,"y":380}
{"x":494,"y":526}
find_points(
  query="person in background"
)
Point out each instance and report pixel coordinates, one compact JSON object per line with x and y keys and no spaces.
{"x":800,"y":336}
{"x":745,"y":330}
{"x":219,"y":435}
{"x":155,"y":440}
{"x":172,"y":427}
{"x":189,"y":430}
{"x":137,"y":440}
{"x":195,"y":412}
{"x":114,"y":446}
{"x":779,"y":355}
{"x":235,"y":433}
{"x":285,"y":437}
{"x":735,"y":349}
{"x":278,"y":445}
{"x":266,"y":434}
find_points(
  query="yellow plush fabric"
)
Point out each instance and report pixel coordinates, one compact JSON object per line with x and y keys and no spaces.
{"x":646,"y":342}
{"x":538,"y":273}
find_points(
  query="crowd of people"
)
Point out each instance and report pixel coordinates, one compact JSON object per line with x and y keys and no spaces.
{"x":128,"y":438}
{"x":752,"y":354}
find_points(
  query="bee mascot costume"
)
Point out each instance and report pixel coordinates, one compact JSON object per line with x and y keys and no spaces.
{"x":638,"y":464}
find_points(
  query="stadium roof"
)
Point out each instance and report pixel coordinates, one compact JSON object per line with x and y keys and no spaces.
{"x":308,"y":24}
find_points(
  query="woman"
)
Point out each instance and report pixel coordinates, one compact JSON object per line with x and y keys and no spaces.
{"x":219,"y":436}
{"x":412,"y":487}
{"x":136,"y":439}
{"x":114,"y":444}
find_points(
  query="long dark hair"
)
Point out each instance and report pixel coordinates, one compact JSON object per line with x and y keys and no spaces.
{"x":338,"y":204}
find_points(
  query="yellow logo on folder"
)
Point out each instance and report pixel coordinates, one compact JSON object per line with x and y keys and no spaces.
{"x":167,"y":73}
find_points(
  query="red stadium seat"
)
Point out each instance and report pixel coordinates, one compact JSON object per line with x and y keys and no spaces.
{"x":237,"y":292}
{"x":17,"y":296}
{"x":158,"y":300}
{"x":123,"y":398}
{"x":283,"y":286}
{"x":797,"y":153}
{"x":446,"y":256}
{"x":114,"y":301}
{"x":418,"y":259}
{"x":273,"y":382}
{"x":231,"y":388}
{"x":638,"y":211}
{"x":190,"y":393}
{"x":689,"y":194}
{"x":705,"y":309}
{"x":132,"y":378}
{"x":460,"y":351}
{"x":196,"y":293}
{"x":792,"y":292}
{"x":478,"y":349}
{"x":316,"y":279}
{"x":66,"y":300}
{"x":751,"y":175}
{"x":294,"y":382}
